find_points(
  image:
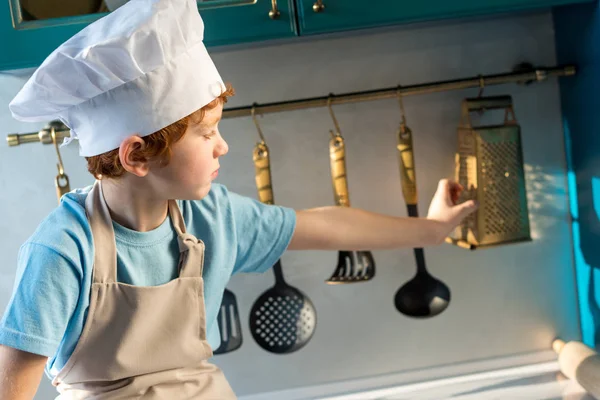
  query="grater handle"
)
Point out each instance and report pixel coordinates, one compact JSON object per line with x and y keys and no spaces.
{"x":262,"y":175}
{"x":487,"y":103}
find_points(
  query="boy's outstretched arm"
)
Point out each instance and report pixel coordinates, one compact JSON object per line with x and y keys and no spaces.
{"x":344,"y":228}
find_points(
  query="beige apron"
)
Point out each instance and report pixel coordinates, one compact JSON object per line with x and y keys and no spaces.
{"x":142,"y":342}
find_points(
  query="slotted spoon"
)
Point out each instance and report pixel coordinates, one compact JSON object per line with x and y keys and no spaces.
{"x":282,"y":319}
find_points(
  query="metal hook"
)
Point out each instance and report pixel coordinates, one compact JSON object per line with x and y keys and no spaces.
{"x":399,"y":92}
{"x":481,"y":85}
{"x":403,"y":130}
{"x":335,"y":123}
{"x":61,"y":168}
{"x":61,"y":188}
{"x":253,"y":113}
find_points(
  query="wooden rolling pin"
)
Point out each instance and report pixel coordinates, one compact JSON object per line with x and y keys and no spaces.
{"x":580,"y":363}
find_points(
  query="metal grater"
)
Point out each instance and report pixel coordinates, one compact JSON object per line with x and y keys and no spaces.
{"x":489,"y":165}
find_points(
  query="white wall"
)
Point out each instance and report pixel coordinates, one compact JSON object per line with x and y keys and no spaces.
{"x":506,"y":301}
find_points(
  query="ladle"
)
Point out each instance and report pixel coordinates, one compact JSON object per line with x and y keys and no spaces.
{"x":423,"y":296}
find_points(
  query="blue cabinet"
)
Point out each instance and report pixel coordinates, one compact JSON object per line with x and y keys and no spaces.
{"x":317,"y":16}
{"x":249,"y":23}
{"x":26,"y":43}
{"x":577,"y":41}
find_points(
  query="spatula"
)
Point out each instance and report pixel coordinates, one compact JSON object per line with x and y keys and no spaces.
{"x":283,"y":319}
{"x":229,"y":324}
{"x":352,"y":267}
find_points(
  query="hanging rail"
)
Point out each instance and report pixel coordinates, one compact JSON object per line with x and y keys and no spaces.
{"x":523,"y":74}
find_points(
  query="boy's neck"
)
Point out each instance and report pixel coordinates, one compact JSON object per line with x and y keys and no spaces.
{"x":132,"y":205}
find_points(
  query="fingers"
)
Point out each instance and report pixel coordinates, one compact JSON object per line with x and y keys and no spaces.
{"x":447,"y":184}
{"x":450,"y":189}
{"x":455,"y":192}
{"x":443,"y":184}
{"x":467,"y":208}
{"x":443,"y":190}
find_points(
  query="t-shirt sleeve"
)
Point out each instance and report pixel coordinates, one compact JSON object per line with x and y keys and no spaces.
{"x":263,"y":233}
{"x":44,"y":297}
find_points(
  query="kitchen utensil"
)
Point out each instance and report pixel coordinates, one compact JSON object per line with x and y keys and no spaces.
{"x":424,"y":295}
{"x":283,"y":319}
{"x":229,"y":324}
{"x":580,"y":363}
{"x":61,"y":187}
{"x":46,"y":9}
{"x":489,"y":166}
{"x":352,"y":266}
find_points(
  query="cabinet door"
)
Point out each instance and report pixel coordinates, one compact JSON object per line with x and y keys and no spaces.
{"x":248,"y":23}
{"x":341,"y":15}
{"x":30,"y":30}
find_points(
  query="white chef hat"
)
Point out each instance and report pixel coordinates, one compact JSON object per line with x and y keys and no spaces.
{"x":135,"y":71}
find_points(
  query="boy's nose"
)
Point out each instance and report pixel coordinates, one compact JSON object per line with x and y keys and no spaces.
{"x":222,"y":148}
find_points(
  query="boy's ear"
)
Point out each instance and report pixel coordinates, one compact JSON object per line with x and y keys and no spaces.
{"x":131,"y":162}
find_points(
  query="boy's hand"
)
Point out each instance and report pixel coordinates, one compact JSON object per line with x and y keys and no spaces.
{"x":443,"y":207}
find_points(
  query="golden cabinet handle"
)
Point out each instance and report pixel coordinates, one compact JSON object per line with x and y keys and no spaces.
{"x":318,"y":6}
{"x":262,"y":173}
{"x":274,"y":13}
{"x":337,"y":162}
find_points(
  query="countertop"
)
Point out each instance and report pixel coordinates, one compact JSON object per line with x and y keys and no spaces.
{"x":532,"y":382}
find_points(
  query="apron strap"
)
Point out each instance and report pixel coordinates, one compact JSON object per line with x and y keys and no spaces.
{"x":103,"y":236}
{"x":191,"y":258}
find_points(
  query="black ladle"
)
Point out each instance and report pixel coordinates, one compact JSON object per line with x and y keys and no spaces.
{"x":282,"y":319}
{"x":423,"y":296}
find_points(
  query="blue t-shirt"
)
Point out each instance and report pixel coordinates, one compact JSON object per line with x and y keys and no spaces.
{"x":50,"y":299}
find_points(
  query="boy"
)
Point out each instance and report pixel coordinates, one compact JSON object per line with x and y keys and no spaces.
{"x":118,"y":289}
